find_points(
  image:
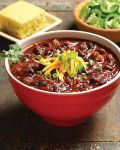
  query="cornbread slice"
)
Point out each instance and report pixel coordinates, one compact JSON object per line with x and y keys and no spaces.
{"x":22,"y":19}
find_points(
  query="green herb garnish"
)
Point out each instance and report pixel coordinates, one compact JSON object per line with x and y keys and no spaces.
{"x":48,"y":76}
{"x":13,"y":54}
{"x":39,"y":72}
{"x":84,"y":76}
{"x":91,"y":62}
{"x":66,"y":65}
{"x":99,"y":68}
{"x":38,"y":57}
{"x":55,"y":76}
{"x":56,"y":54}
{"x":74,"y":74}
{"x":73,"y":55}
{"x":79,"y":68}
{"x":62,"y":57}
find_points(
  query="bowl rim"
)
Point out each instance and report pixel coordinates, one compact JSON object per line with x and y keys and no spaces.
{"x":76,"y":12}
{"x":7,"y":66}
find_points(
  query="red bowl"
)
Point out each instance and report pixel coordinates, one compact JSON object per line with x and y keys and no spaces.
{"x":66,"y":109}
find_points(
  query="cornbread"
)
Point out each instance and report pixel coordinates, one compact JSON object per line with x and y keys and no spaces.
{"x":22,"y":19}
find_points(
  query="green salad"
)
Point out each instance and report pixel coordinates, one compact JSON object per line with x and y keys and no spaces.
{"x":102,"y":13}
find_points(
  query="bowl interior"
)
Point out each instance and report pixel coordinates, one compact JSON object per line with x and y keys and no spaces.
{"x":69,"y":34}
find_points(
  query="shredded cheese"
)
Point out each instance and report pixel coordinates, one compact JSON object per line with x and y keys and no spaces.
{"x":66,"y":62}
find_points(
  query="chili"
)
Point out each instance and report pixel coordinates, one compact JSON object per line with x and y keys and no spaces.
{"x":66,"y":65}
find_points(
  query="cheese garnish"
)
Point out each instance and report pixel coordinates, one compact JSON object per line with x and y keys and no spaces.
{"x":68,"y":62}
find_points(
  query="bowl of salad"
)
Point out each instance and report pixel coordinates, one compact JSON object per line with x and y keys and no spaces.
{"x":99,"y":16}
{"x":64,"y":76}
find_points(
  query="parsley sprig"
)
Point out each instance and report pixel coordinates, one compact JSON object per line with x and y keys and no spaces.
{"x":13,"y":54}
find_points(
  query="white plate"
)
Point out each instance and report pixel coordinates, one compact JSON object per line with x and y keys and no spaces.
{"x":52,"y":21}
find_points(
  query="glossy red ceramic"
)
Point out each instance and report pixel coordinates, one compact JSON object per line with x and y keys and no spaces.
{"x":66,"y":109}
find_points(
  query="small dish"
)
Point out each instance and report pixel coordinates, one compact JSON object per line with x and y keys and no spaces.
{"x":112,"y":34}
{"x":52,"y":21}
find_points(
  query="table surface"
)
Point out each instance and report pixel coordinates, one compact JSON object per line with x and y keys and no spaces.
{"x":20,"y":129}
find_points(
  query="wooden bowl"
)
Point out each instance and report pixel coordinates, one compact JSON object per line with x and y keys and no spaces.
{"x":112,"y":34}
